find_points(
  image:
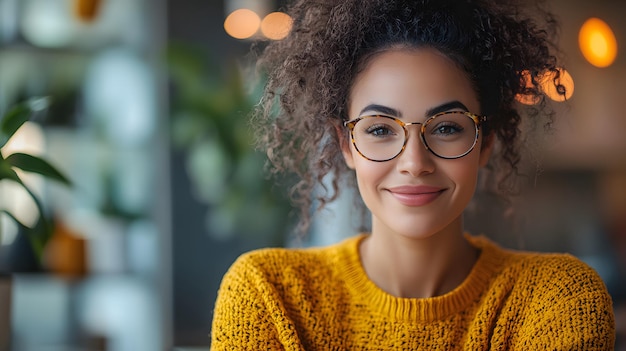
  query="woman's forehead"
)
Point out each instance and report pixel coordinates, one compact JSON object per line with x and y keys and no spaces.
{"x":411,"y":81}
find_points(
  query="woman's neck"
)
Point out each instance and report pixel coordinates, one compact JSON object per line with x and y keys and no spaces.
{"x":418,"y":267}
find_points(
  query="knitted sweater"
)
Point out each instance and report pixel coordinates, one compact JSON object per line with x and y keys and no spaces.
{"x":322,"y":299}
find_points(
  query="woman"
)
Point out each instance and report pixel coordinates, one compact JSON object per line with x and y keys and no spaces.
{"x":410,"y":99}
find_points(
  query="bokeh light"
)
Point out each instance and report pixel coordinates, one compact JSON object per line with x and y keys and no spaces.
{"x":242,"y":24}
{"x":559,"y":89}
{"x":597,"y":42}
{"x":527,"y":99}
{"x":276,"y":25}
{"x":87,"y":10}
{"x":48,"y":24}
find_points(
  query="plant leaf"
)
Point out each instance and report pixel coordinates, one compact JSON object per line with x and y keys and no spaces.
{"x":6,"y":172}
{"x":30,"y":163}
{"x":11,"y":175}
{"x":12,"y":121}
{"x":20,"y":225}
{"x":38,"y":235}
{"x":17,"y":221}
{"x":18,"y":115}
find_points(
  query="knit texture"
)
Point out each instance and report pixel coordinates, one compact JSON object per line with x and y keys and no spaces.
{"x":322,"y":299}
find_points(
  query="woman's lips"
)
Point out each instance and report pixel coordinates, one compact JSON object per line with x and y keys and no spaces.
{"x":416,"y":195}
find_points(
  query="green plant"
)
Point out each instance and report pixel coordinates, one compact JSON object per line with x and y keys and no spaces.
{"x":15,"y":117}
{"x":210,"y":108}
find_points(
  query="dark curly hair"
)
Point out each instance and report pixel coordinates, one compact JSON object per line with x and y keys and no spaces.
{"x":311,"y":71}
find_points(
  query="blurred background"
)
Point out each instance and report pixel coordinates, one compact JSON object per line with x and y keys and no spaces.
{"x":145,"y":113}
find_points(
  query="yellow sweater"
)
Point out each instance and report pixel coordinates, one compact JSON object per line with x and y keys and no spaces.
{"x":321,"y":299}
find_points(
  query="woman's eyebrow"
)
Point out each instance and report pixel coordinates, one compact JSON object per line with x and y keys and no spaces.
{"x":446,"y":107}
{"x":389,"y":111}
{"x":385,"y":110}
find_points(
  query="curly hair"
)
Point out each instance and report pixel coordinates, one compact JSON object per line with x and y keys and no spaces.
{"x":311,"y":71}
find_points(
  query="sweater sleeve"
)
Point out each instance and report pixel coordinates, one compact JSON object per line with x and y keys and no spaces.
{"x":248,"y":313}
{"x":576,"y":313}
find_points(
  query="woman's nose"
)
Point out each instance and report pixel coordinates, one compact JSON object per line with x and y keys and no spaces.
{"x":416,"y":159}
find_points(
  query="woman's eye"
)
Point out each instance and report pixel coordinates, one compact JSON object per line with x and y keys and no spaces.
{"x":447,"y":129}
{"x":379,"y":130}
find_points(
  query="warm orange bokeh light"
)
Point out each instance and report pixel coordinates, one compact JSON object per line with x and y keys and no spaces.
{"x":87,"y":10}
{"x":276,"y":25}
{"x":242,"y":24}
{"x":550,"y":87}
{"x":597,"y":42}
{"x":527,"y":99}
{"x":553,"y":88}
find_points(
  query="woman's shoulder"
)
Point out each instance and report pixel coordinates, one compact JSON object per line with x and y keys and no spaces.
{"x":558,"y":291}
{"x":556,"y":273}
{"x":274,"y":263}
{"x":554,"y":267}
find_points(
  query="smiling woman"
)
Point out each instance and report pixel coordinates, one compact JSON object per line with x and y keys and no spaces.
{"x":410,"y":100}
{"x":394,"y":191}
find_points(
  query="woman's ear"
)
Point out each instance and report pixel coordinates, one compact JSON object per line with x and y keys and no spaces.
{"x":486,"y":147}
{"x":345,"y":145}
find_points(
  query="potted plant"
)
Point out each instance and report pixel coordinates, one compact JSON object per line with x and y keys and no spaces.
{"x":9,"y":124}
{"x":38,"y":234}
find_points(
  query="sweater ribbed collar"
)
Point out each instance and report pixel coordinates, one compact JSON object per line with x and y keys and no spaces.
{"x":426,"y":309}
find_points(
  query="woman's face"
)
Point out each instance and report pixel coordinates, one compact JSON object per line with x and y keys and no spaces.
{"x":416,"y":194}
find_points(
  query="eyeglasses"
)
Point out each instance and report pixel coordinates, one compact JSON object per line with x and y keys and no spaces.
{"x":449,"y":135}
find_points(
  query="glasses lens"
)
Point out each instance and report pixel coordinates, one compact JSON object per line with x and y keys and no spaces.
{"x":450,"y":135}
{"x":378,"y":138}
